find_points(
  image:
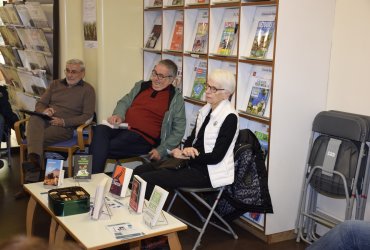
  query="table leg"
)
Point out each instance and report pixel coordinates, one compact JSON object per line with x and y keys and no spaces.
{"x":173,"y":241}
{"x":52,"y":231}
{"x":59,"y":236}
{"x":29,"y":217}
{"x":135,"y":245}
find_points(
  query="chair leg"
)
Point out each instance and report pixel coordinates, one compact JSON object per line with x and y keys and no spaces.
{"x":9,"y":148}
{"x":172,"y":201}
{"x":22,"y":157}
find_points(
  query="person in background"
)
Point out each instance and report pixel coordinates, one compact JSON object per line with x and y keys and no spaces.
{"x":7,"y":116}
{"x":209,"y":148}
{"x":349,"y":235}
{"x":155,"y":113}
{"x":69,"y":102}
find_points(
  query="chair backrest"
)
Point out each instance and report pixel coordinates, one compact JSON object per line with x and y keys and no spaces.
{"x":249,"y":192}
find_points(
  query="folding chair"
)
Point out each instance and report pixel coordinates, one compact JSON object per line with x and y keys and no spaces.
{"x":194,"y":192}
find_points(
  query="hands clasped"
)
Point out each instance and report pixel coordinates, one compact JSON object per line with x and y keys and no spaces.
{"x":186,"y":153}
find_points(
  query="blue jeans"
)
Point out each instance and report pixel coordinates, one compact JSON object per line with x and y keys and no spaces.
{"x":351,"y":235}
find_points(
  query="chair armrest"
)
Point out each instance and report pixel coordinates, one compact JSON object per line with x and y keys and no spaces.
{"x":17,"y":129}
{"x":82,"y":141}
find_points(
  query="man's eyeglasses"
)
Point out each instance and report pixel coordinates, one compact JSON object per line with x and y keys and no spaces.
{"x":212,"y":89}
{"x":73,"y":72}
{"x":159,"y":76}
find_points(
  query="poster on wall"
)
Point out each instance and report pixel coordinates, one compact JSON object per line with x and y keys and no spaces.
{"x":89,"y":23}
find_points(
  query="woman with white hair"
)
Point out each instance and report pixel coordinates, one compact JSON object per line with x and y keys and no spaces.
{"x":209,"y":148}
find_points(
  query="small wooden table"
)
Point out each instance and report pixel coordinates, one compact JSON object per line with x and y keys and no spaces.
{"x":92,"y":234}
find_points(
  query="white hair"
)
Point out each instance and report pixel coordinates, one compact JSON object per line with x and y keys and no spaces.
{"x":224,"y":79}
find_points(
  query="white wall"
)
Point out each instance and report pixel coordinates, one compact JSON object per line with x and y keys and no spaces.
{"x":302,"y":62}
{"x":116,"y":64}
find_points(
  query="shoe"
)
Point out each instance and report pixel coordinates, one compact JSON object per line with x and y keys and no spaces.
{"x":21,"y":194}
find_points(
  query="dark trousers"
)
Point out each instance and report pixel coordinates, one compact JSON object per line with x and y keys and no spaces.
{"x":115,"y":144}
{"x":170,"y":179}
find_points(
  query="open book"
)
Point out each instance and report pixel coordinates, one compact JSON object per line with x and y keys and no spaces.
{"x":122,"y":125}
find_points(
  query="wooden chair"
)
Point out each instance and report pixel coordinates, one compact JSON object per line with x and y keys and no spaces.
{"x":82,"y":136}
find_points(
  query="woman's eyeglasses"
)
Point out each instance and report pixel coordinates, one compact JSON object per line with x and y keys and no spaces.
{"x":212,"y":88}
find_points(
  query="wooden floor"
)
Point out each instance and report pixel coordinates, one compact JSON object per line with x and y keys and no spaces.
{"x":13,"y":213}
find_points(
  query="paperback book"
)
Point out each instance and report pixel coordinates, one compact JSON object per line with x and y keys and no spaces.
{"x":137,"y":194}
{"x":178,"y":32}
{"x":37,"y":15}
{"x":12,"y":14}
{"x":200,"y":43}
{"x":82,"y":165}
{"x":262,"y":39}
{"x":199,"y":85}
{"x":155,"y":34}
{"x":229,"y":37}
{"x":120,"y":180}
{"x":53,"y":172}
{"x":99,"y":199}
{"x":153,"y":210}
{"x":258,"y":100}
{"x":10,"y":56}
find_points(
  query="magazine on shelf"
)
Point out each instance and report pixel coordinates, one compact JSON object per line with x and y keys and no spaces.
{"x":157,"y":3}
{"x":82,"y":165}
{"x":155,"y":34}
{"x":200,"y":43}
{"x":10,"y":37}
{"x":137,"y":194}
{"x":53,"y":172}
{"x":13,"y":14}
{"x":33,"y":84}
{"x":10,"y":56}
{"x":4,"y":16}
{"x":177,"y":32}
{"x":37,"y":14}
{"x":34,"y":60}
{"x":258,"y":93}
{"x":34,"y":39}
{"x":120,"y":180}
{"x":24,"y":15}
{"x":230,"y":25}
{"x":200,"y":78}
{"x":177,"y":2}
{"x":262,"y":33}
{"x":11,"y":76}
{"x":154,"y":207}
{"x":178,"y":80}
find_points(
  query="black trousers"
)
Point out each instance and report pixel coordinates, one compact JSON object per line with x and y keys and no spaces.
{"x":170,"y":179}
{"x":115,"y":144}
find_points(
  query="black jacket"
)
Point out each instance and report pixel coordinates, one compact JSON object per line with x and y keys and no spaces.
{"x":5,"y":108}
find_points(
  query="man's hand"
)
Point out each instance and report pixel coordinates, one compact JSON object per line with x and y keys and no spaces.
{"x":49,"y":111}
{"x":190,"y":152}
{"x":154,"y":155}
{"x":114,"y":119}
{"x":56,"y":121}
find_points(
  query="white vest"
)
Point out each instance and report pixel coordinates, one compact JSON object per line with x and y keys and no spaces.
{"x":220,"y":174}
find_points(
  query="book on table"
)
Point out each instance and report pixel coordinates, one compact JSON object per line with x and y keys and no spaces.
{"x":200,"y":43}
{"x":82,"y":165}
{"x":53,"y":172}
{"x":99,"y":200}
{"x":120,"y":180}
{"x":230,"y":25}
{"x":153,"y":210}
{"x":200,"y":78}
{"x":137,"y":197}
{"x":177,"y":32}
{"x":155,"y":34}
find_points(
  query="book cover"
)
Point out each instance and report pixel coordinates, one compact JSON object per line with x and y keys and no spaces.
{"x":230,"y":25}
{"x":157,"y":3}
{"x":263,"y":140}
{"x":23,"y":14}
{"x":177,"y":2}
{"x":155,"y":205}
{"x":11,"y":76}
{"x":37,"y":15}
{"x":12,"y":14}
{"x":53,"y":170}
{"x":98,"y":199}
{"x":34,"y":39}
{"x":4,"y":15}
{"x":33,"y":60}
{"x":200,"y":43}
{"x":82,"y":165}
{"x":11,"y":37}
{"x":178,"y":32}
{"x":154,"y":36}
{"x":199,"y":86}
{"x":120,"y":180}
{"x":258,"y":100}
{"x":32,"y":83}
{"x":262,"y":39}
{"x":137,"y":194}
{"x":178,"y":80}
{"x":10,"y":56}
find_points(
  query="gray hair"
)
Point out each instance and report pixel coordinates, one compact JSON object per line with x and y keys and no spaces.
{"x":78,"y":62}
{"x":170,"y":65}
{"x":224,"y":79}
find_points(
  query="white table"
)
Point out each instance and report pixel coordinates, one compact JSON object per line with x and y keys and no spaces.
{"x":92,"y":234}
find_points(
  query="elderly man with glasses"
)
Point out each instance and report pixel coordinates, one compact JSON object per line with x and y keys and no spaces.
{"x":155,"y":113}
{"x":69,"y":102}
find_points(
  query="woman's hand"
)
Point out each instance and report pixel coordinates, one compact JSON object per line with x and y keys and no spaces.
{"x":190,"y":152}
{"x":177,"y":153}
